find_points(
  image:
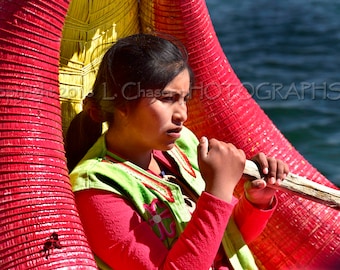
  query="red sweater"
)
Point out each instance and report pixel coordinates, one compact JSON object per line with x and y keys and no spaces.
{"x":121,"y":238}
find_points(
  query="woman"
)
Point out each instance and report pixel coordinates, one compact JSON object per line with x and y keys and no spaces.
{"x":149,"y":194}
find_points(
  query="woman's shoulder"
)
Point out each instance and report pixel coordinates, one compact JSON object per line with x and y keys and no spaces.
{"x":89,"y":165}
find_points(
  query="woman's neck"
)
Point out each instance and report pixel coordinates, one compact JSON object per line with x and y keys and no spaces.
{"x":119,"y":145}
{"x":154,"y":166}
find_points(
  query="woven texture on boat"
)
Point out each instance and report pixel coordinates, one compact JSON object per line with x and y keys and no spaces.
{"x":301,"y":234}
{"x":39,"y":223}
{"x":91,"y":27}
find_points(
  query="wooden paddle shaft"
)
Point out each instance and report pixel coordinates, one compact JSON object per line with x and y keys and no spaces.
{"x":300,"y":186}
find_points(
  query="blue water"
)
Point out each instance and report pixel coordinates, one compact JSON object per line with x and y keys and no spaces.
{"x":287,"y":54}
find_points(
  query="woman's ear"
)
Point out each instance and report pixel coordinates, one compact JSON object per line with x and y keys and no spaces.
{"x":124,"y":110}
{"x":96,"y":115}
{"x":92,"y":110}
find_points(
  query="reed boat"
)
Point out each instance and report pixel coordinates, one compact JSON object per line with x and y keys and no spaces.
{"x":49,"y":53}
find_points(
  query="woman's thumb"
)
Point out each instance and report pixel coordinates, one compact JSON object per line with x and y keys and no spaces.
{"x":203,"y":147}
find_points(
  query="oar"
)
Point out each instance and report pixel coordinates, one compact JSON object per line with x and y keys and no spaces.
{"x":300,"y":186}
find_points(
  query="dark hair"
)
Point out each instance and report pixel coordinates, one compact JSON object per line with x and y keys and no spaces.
{"x":134,"y":63}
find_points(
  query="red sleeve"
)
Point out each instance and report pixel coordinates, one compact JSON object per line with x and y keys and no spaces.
{"x":250,"y":220}
{"x":119,"y":236}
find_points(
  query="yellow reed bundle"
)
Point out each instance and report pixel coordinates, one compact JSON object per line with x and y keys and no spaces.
{"x":91,"y":26}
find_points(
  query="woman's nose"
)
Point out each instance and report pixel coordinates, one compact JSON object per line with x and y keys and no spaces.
{"x":181,"y":112}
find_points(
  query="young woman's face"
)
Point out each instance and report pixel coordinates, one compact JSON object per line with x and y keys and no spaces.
{"x":157,"y":120}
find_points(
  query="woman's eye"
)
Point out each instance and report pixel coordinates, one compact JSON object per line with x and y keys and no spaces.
{"x":168,"y":98}
{"x":175,"y":97}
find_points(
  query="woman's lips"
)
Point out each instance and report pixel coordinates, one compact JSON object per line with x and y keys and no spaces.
{"x":175,"y":133}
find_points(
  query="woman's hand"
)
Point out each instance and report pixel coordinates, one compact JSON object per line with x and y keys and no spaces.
{"x":273,"y":170}
{"x":221,"y":165}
